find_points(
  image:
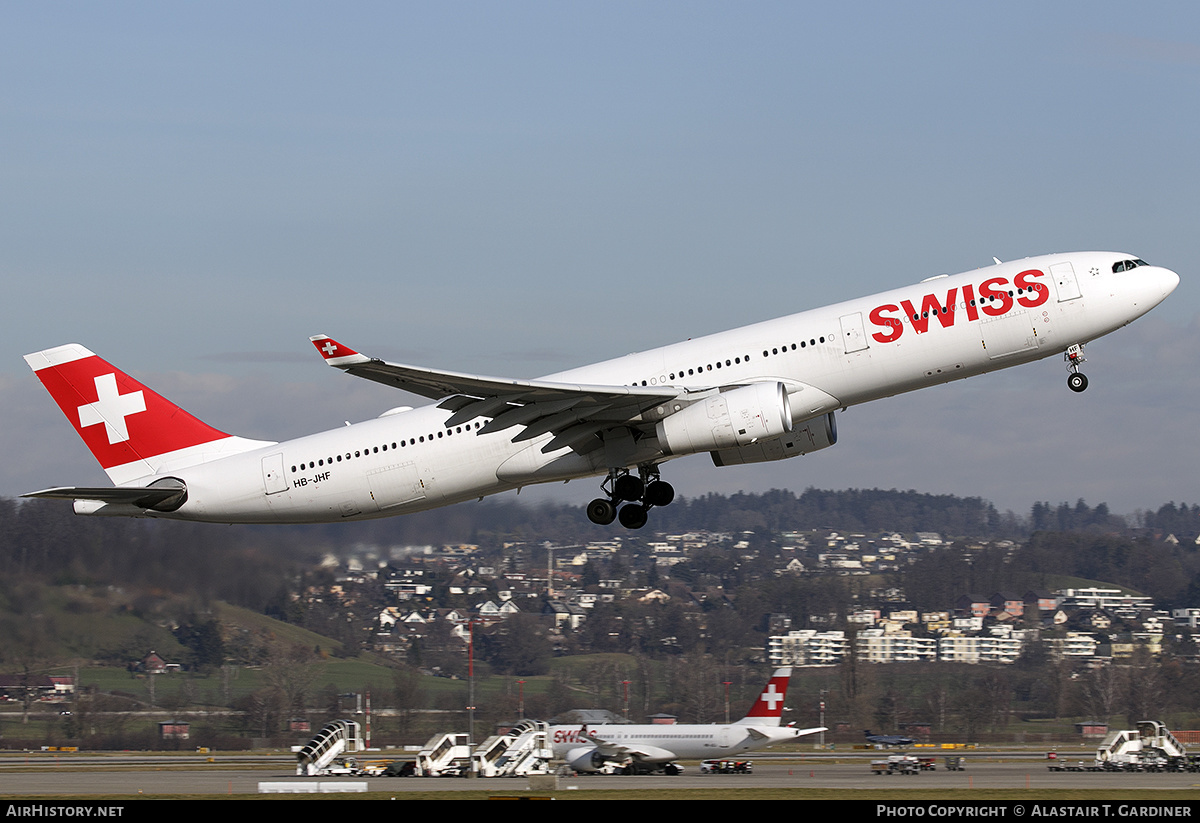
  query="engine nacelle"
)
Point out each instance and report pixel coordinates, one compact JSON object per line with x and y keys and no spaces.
{"x":590,"y":759}
{"x":729,"y":420}
{"x":817,"y":434}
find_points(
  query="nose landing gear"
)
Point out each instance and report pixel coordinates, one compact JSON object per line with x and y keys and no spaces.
{"x":1076,"y":381}
{"x":639,"y":494}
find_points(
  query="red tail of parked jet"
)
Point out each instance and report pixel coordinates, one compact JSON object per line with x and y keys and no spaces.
{"x":768,"y":709}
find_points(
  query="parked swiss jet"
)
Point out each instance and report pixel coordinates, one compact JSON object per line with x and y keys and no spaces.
{"x":648,"y":748}
{"x":763,"y":392}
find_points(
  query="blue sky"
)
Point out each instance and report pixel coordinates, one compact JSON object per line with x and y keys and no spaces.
{"x":191,"y":190}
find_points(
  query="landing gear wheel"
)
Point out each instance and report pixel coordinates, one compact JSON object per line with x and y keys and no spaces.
{"x":601,"y":511}
{"x":633,"y":516}
{"x":1077,"y":382}
{"x":659,"y":493}
{"x":628,"y":487}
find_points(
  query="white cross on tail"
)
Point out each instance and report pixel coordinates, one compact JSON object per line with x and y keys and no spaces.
{"x":111,"y":408}
{"x":770,"y":696}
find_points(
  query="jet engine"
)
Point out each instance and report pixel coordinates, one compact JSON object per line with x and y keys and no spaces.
{"x":729,"y":420}
{"x":817,"y":434}
{"x":589,"y":759}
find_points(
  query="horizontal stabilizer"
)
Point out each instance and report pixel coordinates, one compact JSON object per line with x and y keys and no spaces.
{"x":159,"y":498}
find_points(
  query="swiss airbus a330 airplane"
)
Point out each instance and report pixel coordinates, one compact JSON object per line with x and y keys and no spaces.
{"x":630,"y":748}
{"x":762,"y":392}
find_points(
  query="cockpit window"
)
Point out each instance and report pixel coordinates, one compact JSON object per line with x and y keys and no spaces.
{"x":1126,"y":265}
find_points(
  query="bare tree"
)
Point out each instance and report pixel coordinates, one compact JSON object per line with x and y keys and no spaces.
{"x":1102,"y":689}
{"x":291,"y":674}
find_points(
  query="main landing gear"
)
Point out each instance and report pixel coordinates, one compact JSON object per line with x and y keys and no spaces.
{"x":639,"y":493}
{"x":1076,"y":381}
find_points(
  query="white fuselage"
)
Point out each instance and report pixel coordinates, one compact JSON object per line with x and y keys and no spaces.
{"x":665,"y":743}
{"x":827,"y":358}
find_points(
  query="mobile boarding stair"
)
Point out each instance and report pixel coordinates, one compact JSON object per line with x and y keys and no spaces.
{"x":445,"y":755}
{"x":523,"y":750}
{"x":319,"y":755}
{"x":1151,"y":747}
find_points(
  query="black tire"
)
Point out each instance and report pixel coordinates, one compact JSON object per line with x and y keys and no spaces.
{"x":1077,"y":382}
{"x":632,"y":516}
{"x":628,"y":487}
{"x":601,"y":512}
{"x":659,"y":493}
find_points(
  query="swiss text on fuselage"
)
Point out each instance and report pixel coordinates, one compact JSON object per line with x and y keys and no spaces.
{"x":993,"y":297}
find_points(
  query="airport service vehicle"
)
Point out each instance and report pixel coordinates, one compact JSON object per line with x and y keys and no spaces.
{"x":726,"y":767}
{"x":759,"y":393}
{"x":896,"y":764}
{"x":640,"y":749}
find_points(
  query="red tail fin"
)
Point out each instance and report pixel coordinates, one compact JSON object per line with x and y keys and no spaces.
{"x":126,"y":425}
{"x":768,"y":709}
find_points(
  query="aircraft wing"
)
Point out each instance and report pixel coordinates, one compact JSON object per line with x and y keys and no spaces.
{"x":572,"y":412}
{"x":619,"y":751}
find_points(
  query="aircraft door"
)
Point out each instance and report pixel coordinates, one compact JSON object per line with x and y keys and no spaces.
{"x":1065,"y":281}
{"x":272,"y":471}
{"x":854,"y":337}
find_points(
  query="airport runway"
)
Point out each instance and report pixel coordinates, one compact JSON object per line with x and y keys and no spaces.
{"x":167,"y":776}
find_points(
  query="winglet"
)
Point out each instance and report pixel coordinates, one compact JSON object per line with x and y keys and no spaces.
{"x":335,"y":353}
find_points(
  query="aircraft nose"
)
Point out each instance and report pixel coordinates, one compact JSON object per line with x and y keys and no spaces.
{"x":1170,"y":281}
{"x":1161,"y":283}
{"x":1150,"y":285}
